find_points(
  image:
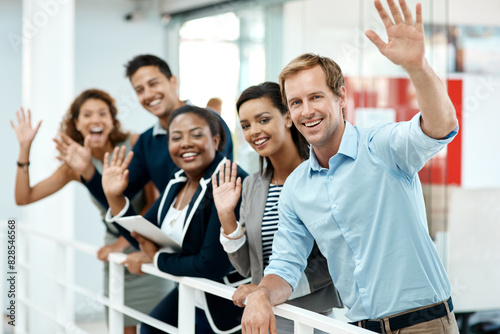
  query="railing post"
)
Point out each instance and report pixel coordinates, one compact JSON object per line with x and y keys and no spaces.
{"x":299,"y":328}
{"x":116,"y":295}
{"x":186,"y":309}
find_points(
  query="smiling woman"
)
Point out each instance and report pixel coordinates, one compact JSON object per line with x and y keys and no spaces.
{"x":91,"y":125}
{"x":186,"y":213}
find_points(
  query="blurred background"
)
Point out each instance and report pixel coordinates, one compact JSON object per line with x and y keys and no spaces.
{"x":51,"y":50}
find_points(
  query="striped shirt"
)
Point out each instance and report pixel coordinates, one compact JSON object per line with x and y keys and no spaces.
{"x":270,"y":222}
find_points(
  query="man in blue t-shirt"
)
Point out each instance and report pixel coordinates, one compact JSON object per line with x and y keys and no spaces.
{"x":359,"y":196}
{"x":156,"y":88}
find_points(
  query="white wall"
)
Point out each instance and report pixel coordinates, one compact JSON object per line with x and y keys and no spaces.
{"x":104,"y":42}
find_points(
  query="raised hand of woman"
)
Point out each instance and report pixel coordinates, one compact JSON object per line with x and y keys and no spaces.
{"x":227,"y":191}
{"x":24,"y":132}
{"x":115,"y":173}
{"x":76,"y":156}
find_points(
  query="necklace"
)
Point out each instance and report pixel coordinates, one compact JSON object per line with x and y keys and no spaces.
{"x":179,"y":212}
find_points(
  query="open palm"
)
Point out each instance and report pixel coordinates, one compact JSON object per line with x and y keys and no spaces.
{"x":406,"y":40}
{"x":227,"y":191}
{"x":115,"y":173}
{"x":76,"y":156}
{"x":24,"y":132}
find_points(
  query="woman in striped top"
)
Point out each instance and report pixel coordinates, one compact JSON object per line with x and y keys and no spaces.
{"x":268,"y":128}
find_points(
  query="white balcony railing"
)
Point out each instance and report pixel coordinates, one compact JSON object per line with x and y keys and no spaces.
{"x":305,"y":321}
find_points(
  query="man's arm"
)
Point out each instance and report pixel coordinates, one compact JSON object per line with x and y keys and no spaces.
{"x":406,"y":47}
{"x":258,"y":316}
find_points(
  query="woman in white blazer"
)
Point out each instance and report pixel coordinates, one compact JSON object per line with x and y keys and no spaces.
{"x":268,"y":128}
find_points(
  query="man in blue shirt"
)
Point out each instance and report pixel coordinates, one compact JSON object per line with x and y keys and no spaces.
{"x":359,"y":196}
{"x":156,"y":88}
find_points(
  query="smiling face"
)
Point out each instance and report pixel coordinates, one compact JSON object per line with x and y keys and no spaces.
{"x":316,"y":111}
{"x":264,"y":127}
{"x":156,"y":93}
{"x":95,"y":119}
{"x":191,"y":144}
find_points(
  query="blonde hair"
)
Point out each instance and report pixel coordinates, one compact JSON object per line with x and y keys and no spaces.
{"x":333,"y":73}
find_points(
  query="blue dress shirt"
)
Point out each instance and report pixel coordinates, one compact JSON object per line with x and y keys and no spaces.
{"x":367,"y":215}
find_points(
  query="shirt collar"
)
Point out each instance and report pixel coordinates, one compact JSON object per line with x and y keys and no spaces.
{"x":348,"y":147}
{"x":159,"y":130}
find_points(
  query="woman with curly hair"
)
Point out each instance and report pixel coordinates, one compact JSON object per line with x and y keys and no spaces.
{"x":91,"y":122}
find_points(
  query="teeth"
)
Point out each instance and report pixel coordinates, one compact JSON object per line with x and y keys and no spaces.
{"x":188,"y":155}
{"x":96,"y":130}
{"x":312,"y":123}
{"x":155,"y":102}
{"x":260,"y":141}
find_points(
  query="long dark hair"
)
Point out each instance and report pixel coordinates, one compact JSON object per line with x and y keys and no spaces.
{"x":271,"y":90}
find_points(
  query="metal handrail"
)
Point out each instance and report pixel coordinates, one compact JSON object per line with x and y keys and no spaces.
{"x":305,"y":321}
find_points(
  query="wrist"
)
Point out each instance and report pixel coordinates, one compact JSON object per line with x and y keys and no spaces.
{"x":259,"y":294}
{"x":23,"y":164}
{"x":228,"y":220}
{"x":88,"y":173}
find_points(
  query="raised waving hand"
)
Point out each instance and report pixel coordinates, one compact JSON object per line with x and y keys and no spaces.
{"x":405,"y":45}
{"x":76,"y":156}
{"x":115,"y":173}
{"x":227,"y":194}
{"x":24,"y":131}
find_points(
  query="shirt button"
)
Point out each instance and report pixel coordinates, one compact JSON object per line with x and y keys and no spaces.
{"x":362,"y":290}
{"x":347,"y":234}
{"x":358,"y":262}
{"x":330,"y":177}
{"x":334,"y":206}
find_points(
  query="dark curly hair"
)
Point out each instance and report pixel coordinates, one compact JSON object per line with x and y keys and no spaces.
{"x":68,"y":124}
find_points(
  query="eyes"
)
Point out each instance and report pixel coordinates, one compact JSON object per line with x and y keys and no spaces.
{"x":194,"y":135}
{"x":297,"y":102}
{"x":140,"y":90}
{"x":90,"y":114}
{"x":263,"y":121}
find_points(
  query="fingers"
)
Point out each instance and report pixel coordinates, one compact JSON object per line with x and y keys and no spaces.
{"x":29,"y":116}
{"x":38,"y":126}
{"x":272,"y":325}
{"x":121,"y":155}
{"x":234,"y":172}
{"x":60,"y":146}
{"x":227,"y":176}
{"x":12,"y":124}
{"x":406,"y":12}
{"x":18,"y":116}
{"x":375,"y":39}
{"x":420,"y":22}
{"x":105,"y":161}
{"x":396,"y":14}
{"x":114,"y":159}
{"x":128,"y":159}
{"x":214,"y":181}
{"x":386,"y":19}
{"x":86,"y":142}
{"x":221,"y":175}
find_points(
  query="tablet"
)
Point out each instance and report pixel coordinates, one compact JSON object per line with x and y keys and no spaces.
{"x":150,"y":231}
